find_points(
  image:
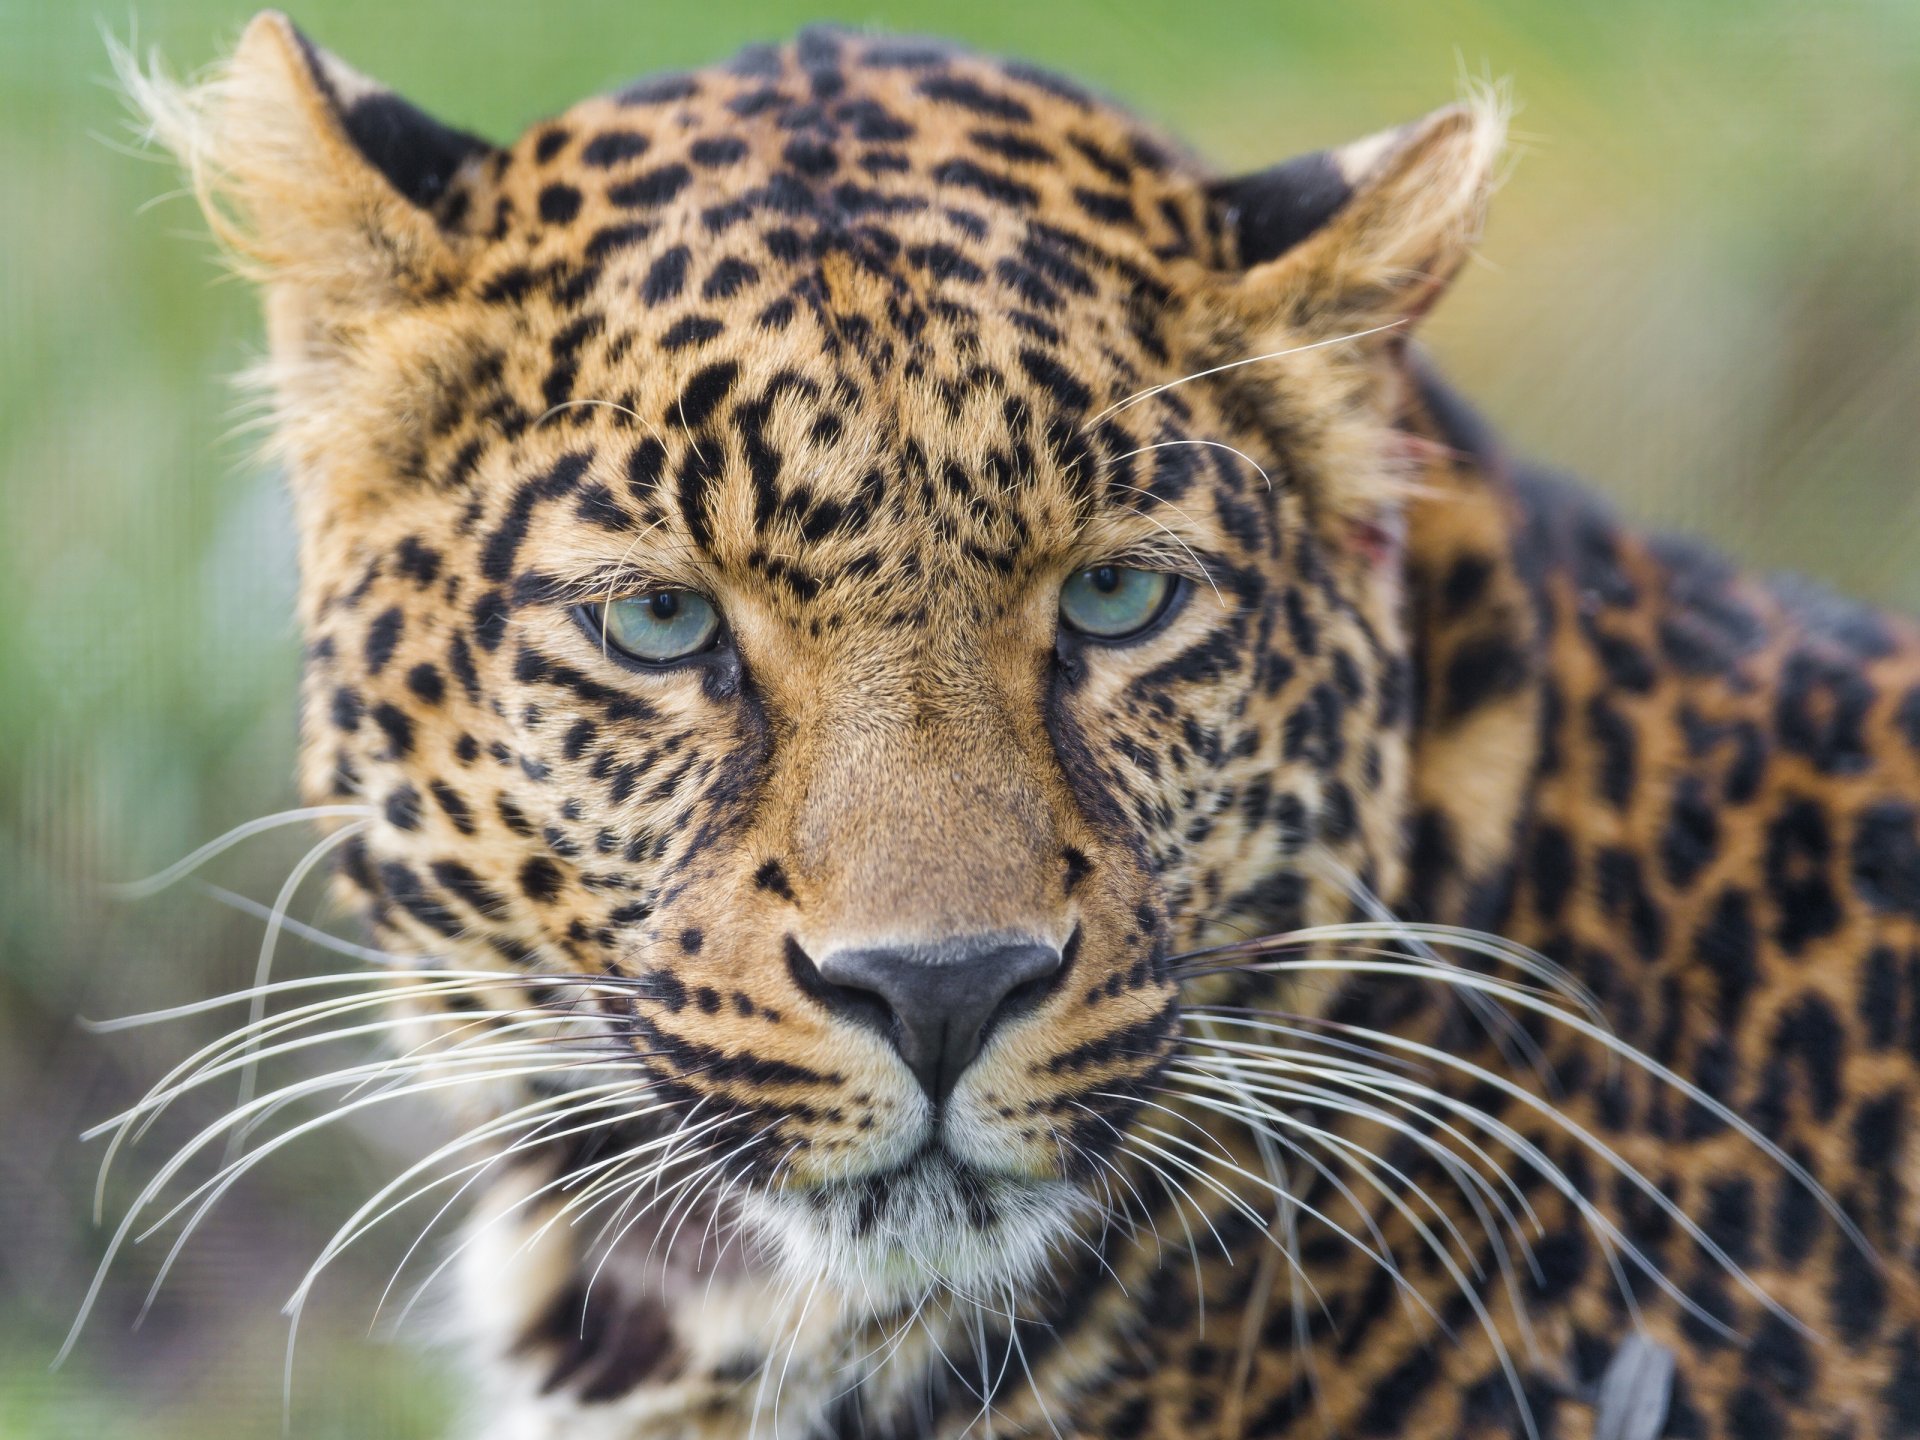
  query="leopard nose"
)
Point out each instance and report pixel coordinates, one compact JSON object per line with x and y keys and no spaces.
{"x":938,"y":1002}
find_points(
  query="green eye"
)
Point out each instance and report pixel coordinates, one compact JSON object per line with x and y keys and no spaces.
{"x":658,"y":626}
{"x":1112,"y":602}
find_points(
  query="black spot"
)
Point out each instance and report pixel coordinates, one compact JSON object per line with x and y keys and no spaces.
{"x":490,"y":615}
{"x":403,"y":808}
{"x":1481,"y":670}
{"x":1552,"y":867}
{"x":559,"y":204}
{"x":425,"y":681}
{"x":1886,"y":857}
{"x":705,"y":392}
{"x":1797,"y":1217}
{"x":612,"y":147}
{"x":958,"y":90}
{"x":1003,"y":189}
{"x":691,"y":940}
{"x":1623,"y":893}
{"x":397,"y":727}
{"x":1108,"y":209}
{"x":1753,"y":1415}
{"x":1810,"y":1033}
{"x":1859,"y":1292}
{"x":1902,"y":1394}
{"x":1078,"y":867}
{"x":347,"y":709}
{"x":690,"y":330}
{"x":454,"y":876}
{"x":666,"y":277}
{"x":540,"y":879}
{"x":597,"y":507}
{"x":1879,"y":999}
{"x":550,"y":144}
{"x":1691,"y":834}
{"x":655,"y":187}
{"x":659,"y":90}
{"x":945,"y":264}
{"x":727,"y":277}
{"x":457,"y":811}
{"x":610,"y":238}
{"x":1879,"y":1133}
{"x":809,"y":156}
{"x":1618,"y":747}
{"x":1728,"y":946}
{"x":716,"y":150}
{"x":1821,"y":713}
{"x":1048,"y":373}
{"x":771,"y":876}
{"x":1798,"y":860}
{"x":1907,"y":717}
{"x":403,"y":887}
{"x":417,"y":562}
{"x":1011,"y":146}
{"x":382,"y":636}
{"x":644,"y":467}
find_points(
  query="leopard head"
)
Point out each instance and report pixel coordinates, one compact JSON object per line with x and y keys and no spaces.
{"x":855,"y":560}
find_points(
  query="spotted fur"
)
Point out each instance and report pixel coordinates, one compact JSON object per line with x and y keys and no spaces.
{"x":876,"y":342}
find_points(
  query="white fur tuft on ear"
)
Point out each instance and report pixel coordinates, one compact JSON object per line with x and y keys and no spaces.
{"x":1365,"y":236}
{"x":267,"y":139}
{"x":1418,"y":199}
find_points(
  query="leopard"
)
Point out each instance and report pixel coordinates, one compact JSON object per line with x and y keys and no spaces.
{"x":996,"y":812}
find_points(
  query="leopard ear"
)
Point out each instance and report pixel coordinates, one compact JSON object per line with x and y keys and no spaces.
{"x":311,"y":174}
{"x":1367,"y":235}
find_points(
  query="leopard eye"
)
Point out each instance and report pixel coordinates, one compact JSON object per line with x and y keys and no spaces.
{"x":1114,"y":602}
{"x":656,"y":627}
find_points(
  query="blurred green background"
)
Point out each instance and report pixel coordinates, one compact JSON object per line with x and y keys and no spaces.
{"x":1701,"y":289}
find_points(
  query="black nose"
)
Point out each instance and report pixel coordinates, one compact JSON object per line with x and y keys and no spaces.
{"x":938,"y":1001}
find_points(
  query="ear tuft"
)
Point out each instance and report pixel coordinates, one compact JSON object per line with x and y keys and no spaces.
{"x":309,"y":172}
{"x":1370,"y":233}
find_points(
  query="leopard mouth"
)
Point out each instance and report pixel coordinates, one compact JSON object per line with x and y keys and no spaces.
{"x":930,"y":1221}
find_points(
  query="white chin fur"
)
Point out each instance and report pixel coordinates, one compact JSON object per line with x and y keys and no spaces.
{"x":921,"y":1233}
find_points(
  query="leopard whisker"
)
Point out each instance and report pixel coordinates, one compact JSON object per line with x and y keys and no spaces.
{"x":689,"y":1202}
{"x":312,"y":934}
{"x":1382,"y":1258}
{"x":1258,"y":469}
{"x":1182,"y":1198}
{"x":1358,"y":1076}
{"x":161,"y":879}
{"x":1464,"y":1277}
{"x":219,"y":1066}
{"x":1516,"y":1047}
{"x":1551,"y":975}
{"x":1164,"y":386}
{"x":685,"y":1188}
{"x":559,"y":1182}
{"x":1605,"y":1230}
{"x":358,"y":1224}
{"x":1598,"y":1034}
{"x":1474,"y":1187}
{"x":216,"y":1185}
{"x":269,"y":941}
{"x":185,"y":1154}
{"x":612,"y":1095}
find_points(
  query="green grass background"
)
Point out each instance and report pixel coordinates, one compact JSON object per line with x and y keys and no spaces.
{"x":1701,"y":289}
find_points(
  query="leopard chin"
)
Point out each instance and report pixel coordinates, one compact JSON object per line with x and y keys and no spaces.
{"x":932,"y":1226}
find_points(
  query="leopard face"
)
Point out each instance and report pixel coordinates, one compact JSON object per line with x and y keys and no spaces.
{"x":801,"y":546}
